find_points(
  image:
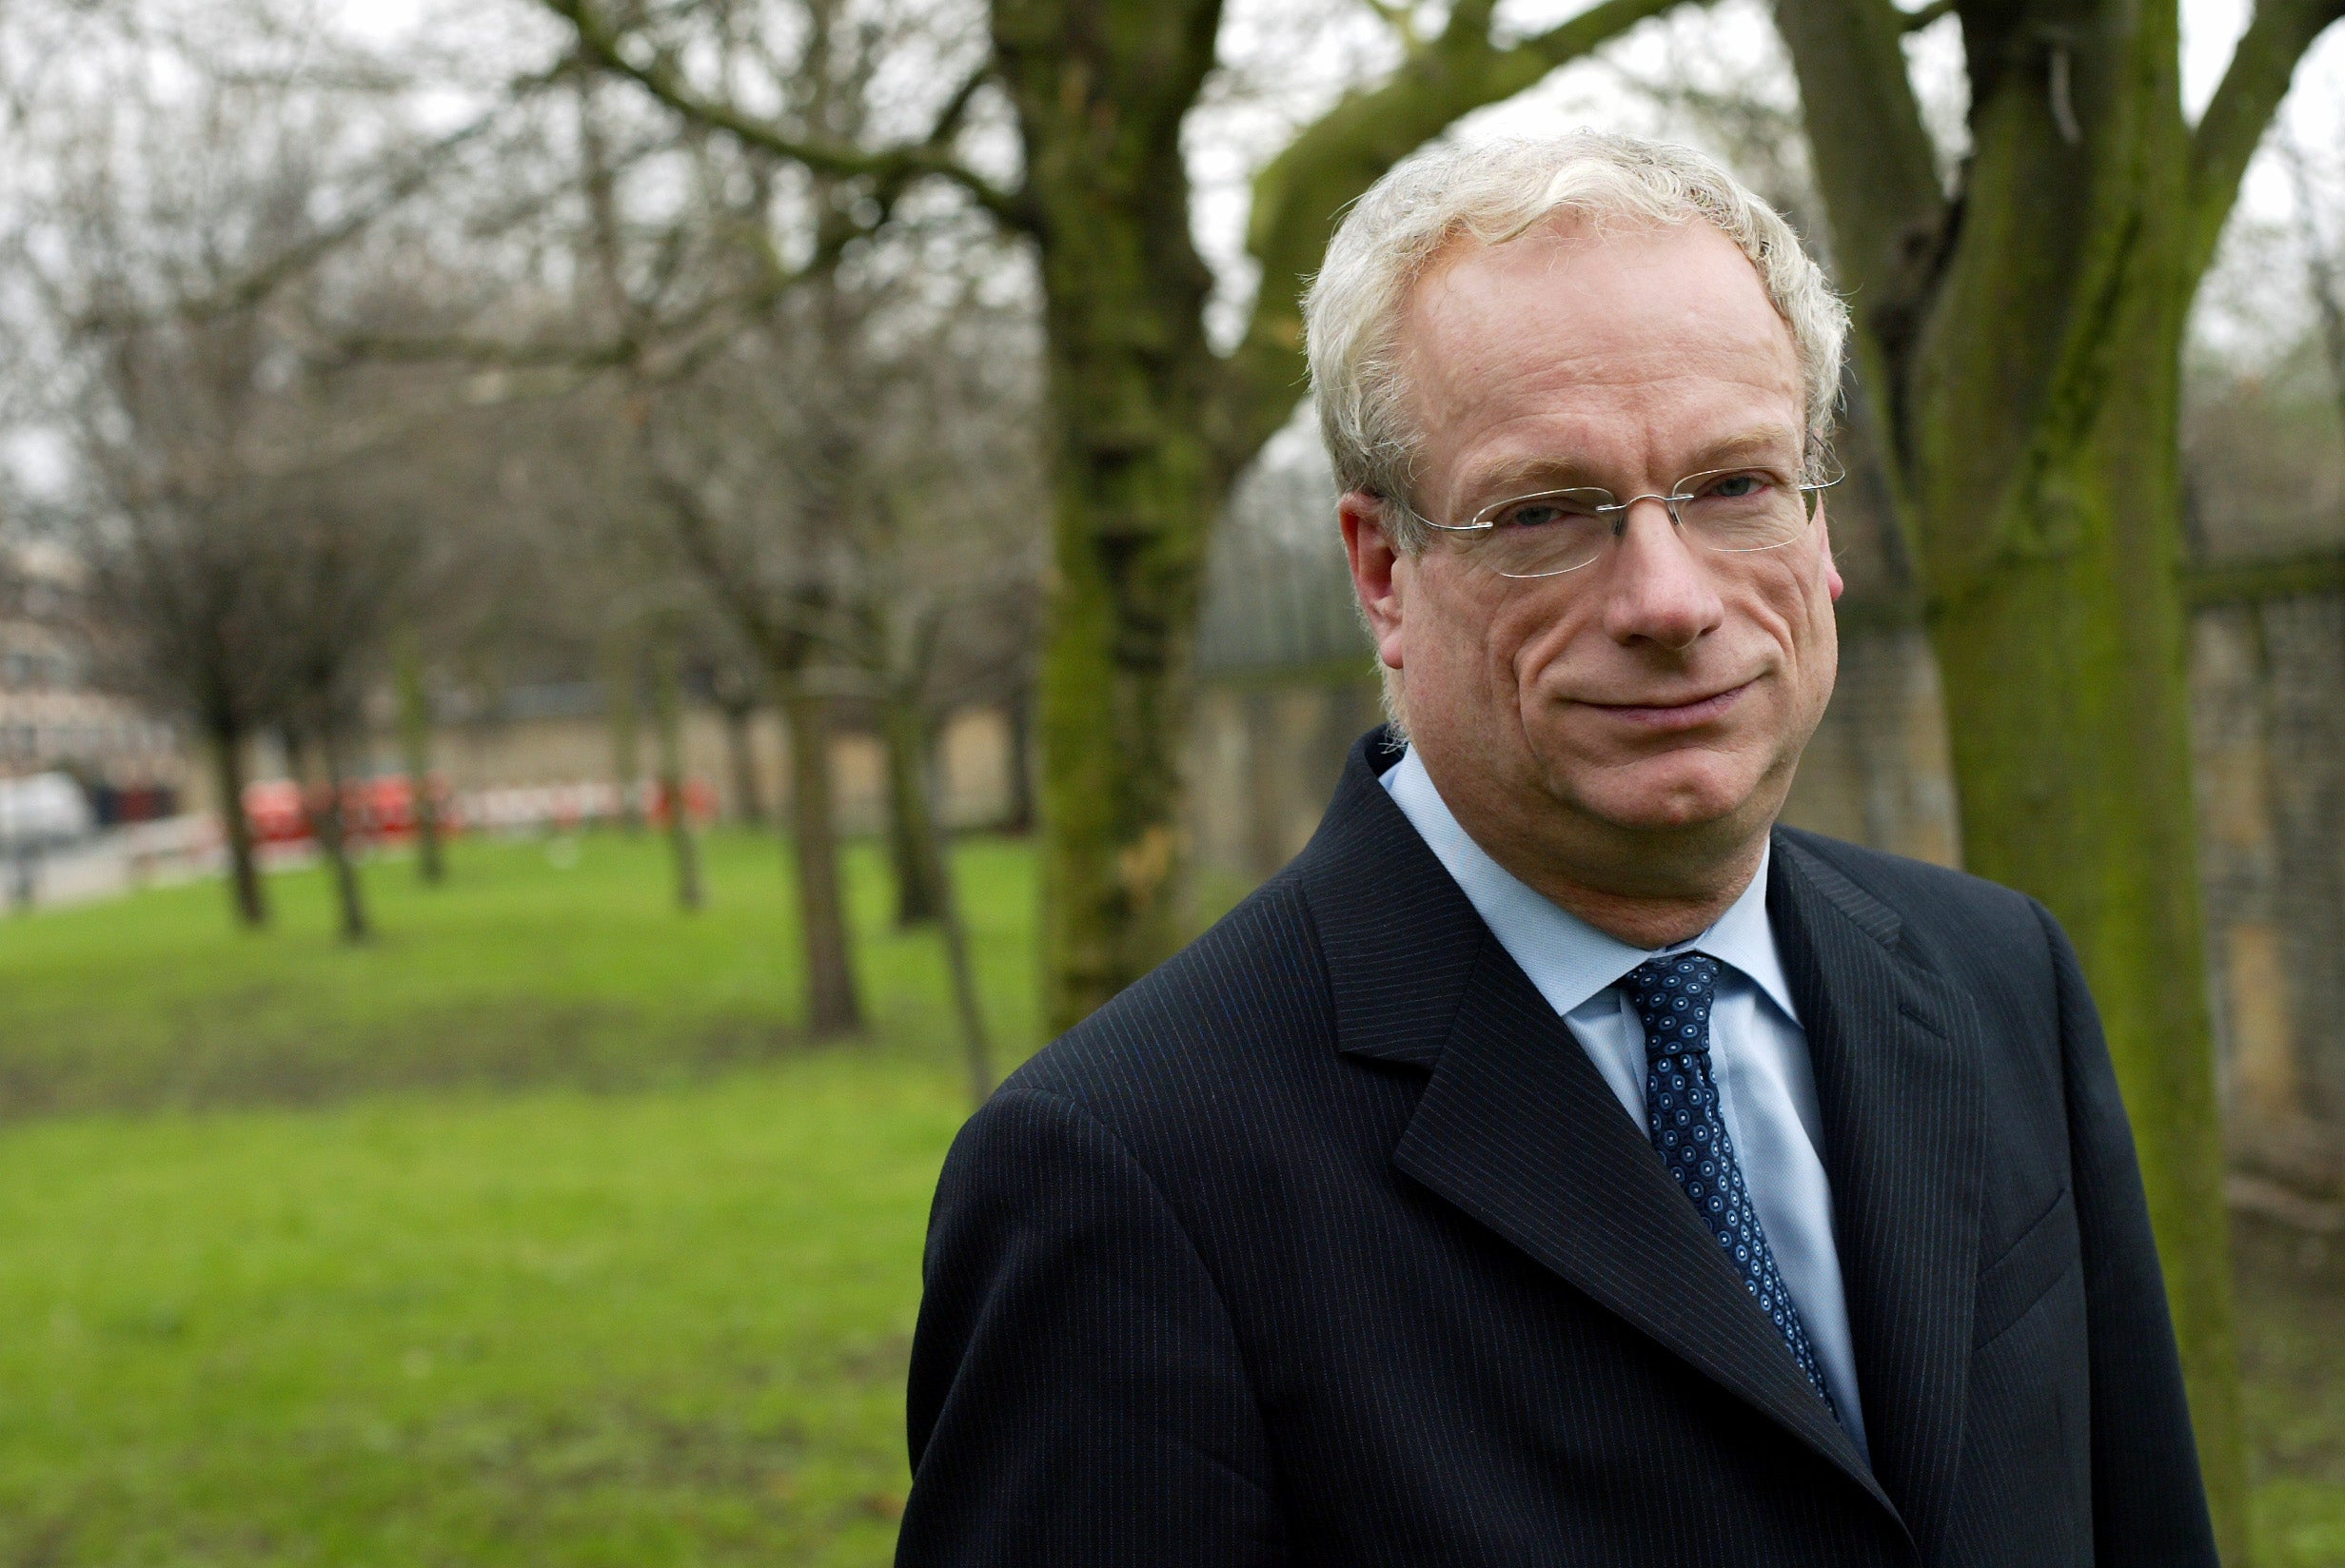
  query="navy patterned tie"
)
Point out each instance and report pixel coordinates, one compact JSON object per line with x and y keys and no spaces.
{"x":1672,"y":997}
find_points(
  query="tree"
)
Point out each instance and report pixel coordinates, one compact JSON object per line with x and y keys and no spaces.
{"x":171,"y":211}
{"x":1148,"y":424}
{"x":249,"y":545}
{"x":851,"y":483}
{"x":2020,"y":336}
{"x":774,"y":343}
{"x":332,"y":577}
{"x":173,"y":582}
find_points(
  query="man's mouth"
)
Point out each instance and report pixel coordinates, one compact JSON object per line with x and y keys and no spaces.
{"x":1682,"y":713}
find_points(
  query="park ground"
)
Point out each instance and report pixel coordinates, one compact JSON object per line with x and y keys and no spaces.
{"x":531,"y":1233}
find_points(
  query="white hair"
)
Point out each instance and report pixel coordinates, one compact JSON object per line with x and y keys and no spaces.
{"x":1494,"y":192}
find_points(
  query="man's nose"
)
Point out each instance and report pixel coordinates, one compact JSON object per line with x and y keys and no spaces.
{"x":1659,"y":588}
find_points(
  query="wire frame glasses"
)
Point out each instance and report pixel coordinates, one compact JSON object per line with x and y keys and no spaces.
{"x":1728,"y":511}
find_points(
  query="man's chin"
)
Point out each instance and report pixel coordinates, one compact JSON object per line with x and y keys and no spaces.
{"x":1667,"y":800}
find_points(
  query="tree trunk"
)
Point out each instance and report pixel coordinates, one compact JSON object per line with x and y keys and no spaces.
{"x":330,"y":824}
{"x":683,"y":850}
{"x":926,"y":847}
{"x":833,"y":1007}
{"x":976,"y":1044}
{"x":920,"y":898}
{"x":742,"y":759}
{"x":1020,"y":818}
{"x":1148,"y":425}
{"x":620,"y":681}
{"x":1136,"y":477}
{"x":246,"y":897}
{"x":2063,"y":661}
{"x":415,"y":742}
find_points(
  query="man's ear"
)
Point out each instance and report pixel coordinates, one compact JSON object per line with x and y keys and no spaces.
{"x":1831,"y":567}
{"x":1379,"y":572}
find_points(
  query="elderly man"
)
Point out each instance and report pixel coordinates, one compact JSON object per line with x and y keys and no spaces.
{"x":1561,"y":1163}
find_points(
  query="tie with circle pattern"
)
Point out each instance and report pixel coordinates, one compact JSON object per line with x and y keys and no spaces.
{"x":1672,"y":996}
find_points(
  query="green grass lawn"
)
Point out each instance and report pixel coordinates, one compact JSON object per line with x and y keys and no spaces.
{"x":533,"y":1233}
{"x":530,"y":1232}
{"x":557,"y":961}
{"x":556,"y":1329}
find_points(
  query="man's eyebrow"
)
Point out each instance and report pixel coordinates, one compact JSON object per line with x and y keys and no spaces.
{"x":1765,"y":441}
{"x":1521,"y":475}
{"x":1556,"y":471}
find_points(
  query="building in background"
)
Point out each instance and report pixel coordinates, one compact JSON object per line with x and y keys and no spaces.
{"x":55,"y":714}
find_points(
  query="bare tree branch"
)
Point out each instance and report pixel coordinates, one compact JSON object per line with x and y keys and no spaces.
{"x":486,"y":353}
{"x":891,"y":167}
{"x":258,"y":283}
{"x":2242,"y":107}
{"x":1874,"y":164}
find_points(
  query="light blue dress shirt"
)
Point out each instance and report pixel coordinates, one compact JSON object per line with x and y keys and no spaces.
{"x":1766,"y":1089}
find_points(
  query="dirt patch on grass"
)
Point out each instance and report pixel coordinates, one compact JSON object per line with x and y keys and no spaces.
{"x":239,"y":1056}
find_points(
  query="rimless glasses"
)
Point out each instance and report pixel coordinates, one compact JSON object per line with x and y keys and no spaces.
{"x":1729,"y":511}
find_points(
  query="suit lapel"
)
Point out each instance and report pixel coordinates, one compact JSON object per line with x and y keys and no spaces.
{"x":1516,"y":1128}
{"x":1896,"y":1056}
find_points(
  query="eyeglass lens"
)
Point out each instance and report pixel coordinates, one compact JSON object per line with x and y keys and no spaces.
{"x":1728,"y":511}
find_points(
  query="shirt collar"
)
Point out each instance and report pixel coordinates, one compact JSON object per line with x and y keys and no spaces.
{"x":1565,"y":957}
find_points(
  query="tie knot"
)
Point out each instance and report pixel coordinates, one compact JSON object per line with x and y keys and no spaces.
{"x":1672,"y":997}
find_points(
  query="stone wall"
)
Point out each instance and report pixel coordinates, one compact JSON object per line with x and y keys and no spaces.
{"x":2268,"y":701}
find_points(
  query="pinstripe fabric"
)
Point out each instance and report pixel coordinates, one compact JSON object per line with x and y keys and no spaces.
{"x":1325,"y":1245}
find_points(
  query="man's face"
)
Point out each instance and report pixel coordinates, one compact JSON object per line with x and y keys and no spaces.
{"x":1662,"y":693}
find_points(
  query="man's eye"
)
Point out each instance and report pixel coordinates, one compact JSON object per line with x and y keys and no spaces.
{"x":1531,"y":514}
{"x":1737,"y":486}
{"x":1543,"y":512}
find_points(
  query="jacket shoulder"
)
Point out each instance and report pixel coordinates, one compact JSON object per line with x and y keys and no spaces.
{"x":1921,"y":893}
{"x":1251,"y":990}
{"x":1962,"y":926}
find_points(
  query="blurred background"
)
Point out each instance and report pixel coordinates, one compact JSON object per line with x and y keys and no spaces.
{"x":610,"y":608}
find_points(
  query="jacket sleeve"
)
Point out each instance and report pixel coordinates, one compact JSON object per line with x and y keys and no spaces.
{"x":1077,"y":1393}
{"x":2148,"y":1504}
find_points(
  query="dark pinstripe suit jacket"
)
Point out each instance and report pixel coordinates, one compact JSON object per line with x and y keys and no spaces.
{"x":1326,"y":1244}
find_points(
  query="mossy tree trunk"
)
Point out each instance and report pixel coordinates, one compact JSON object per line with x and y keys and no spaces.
{"x":1149,"y":425}
{"x":1137,"y":471}
{"x":2021,"y":340}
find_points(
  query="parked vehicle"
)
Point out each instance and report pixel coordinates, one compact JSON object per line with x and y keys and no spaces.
{"x":43,"y":811}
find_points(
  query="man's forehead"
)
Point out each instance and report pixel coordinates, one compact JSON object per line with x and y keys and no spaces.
{"x":1563,"y":336}
{"x":1567,"y":289}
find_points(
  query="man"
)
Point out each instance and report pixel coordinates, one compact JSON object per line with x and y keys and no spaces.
{"x":1559,"y":1163}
